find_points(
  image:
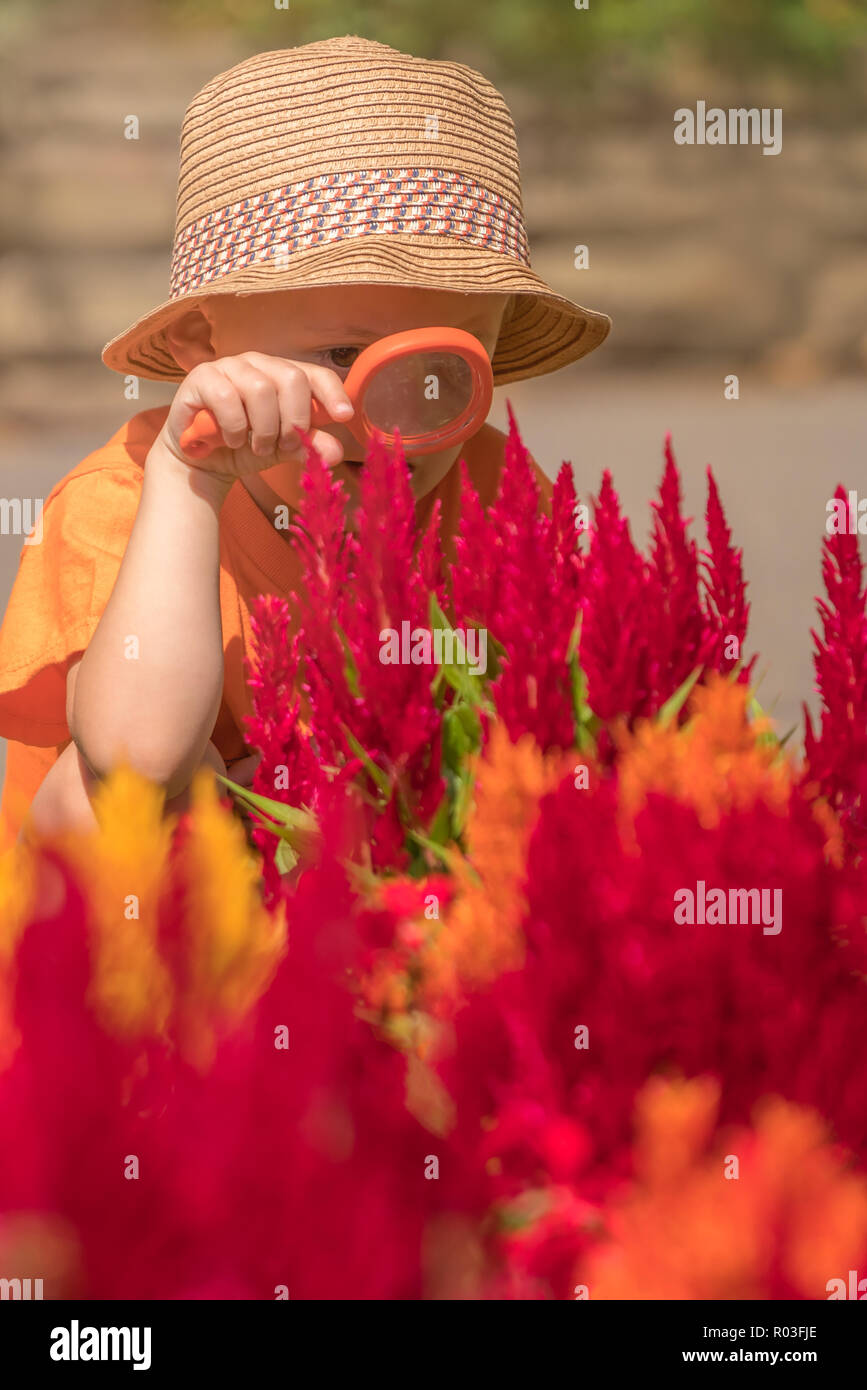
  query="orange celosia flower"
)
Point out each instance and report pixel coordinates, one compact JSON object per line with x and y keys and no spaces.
{"x":827,"y":818}
{"x":763,"y":1213}
{"x":409,"y":988}
{"x":46,"y":1244}
{"x":481,"y":935}
{"x":717,"y":762}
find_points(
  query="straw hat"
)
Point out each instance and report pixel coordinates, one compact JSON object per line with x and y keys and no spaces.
{"x":347,"y":162}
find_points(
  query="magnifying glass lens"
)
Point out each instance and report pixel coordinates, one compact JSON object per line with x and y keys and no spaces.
{"x":419,"y":394}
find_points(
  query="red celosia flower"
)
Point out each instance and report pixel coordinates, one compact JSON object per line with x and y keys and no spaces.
{"x":837,"y":756}
{"x":517,"y":574}
{"x":359,"y":712}
{"x":680,"y":638}
{"x":725,"y":590}
{"x":648,"y":626}
{"x":617,"y":641}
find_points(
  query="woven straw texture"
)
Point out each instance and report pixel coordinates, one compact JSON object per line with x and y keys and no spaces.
{"x":347,"y":162}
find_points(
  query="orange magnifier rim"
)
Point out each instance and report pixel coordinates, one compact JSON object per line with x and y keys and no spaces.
{"x":203,"y":435}
{"x":415,"y":341}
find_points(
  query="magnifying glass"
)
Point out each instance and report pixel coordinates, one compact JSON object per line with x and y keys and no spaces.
{"x":432,"y":386}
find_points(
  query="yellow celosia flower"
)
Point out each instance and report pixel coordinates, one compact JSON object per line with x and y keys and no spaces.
{"x":232,"y":942}
{"x":224,"y":943}
{"x":122,"y":867}
{"x":17,"y":894}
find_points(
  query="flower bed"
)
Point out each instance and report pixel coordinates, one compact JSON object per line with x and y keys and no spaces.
{"x":450,"y":1033}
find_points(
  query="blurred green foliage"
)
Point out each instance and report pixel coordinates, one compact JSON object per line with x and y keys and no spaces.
{"x":550,"y":38}
{"x":614,"y":46}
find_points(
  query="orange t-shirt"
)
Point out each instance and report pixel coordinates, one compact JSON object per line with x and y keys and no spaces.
{"x":64,"y":583}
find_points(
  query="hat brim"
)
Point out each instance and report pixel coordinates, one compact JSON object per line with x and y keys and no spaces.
{"x":544,"y":331}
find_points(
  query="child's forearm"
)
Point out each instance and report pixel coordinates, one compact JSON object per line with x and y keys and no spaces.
{"x":149,"y":685}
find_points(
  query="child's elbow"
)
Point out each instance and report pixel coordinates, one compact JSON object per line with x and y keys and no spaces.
{"x":63,"y":800}
{"x":162,"y":763}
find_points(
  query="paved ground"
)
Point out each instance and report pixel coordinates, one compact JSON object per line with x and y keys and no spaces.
{"x":777,"y":454}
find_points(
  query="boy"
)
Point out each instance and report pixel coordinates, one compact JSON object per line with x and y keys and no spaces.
{"x":328,"y":196}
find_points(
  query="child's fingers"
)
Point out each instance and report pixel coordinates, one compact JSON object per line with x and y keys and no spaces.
{"x":294,"y":399}
{"x":296,"y":403}
{"x":296,"y":384}
{"x":256,"y":390}
{"x":213,"y":390}
{"x":330,"y":392}
{"x":329,"y":449}
{"x":323,"y":383}
{"x":260,"y":403}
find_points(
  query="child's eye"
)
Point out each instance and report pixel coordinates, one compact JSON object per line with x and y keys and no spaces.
{"x":342,"y":357}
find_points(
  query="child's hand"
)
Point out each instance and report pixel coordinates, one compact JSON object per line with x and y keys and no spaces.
{"x":258,"y":401}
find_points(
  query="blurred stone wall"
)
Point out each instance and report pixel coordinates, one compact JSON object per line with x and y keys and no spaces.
{"x":701,"y":255}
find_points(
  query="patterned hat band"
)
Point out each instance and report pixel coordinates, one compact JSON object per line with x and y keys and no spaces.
{"x":334,"y":207}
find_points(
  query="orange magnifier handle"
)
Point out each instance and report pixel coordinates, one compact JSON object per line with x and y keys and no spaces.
{"x":201,"y":436}
{"x":431,"y":386}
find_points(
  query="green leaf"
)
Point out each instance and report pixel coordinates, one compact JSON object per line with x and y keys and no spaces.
{"x":581,"y":709}
{"x":452,"y":858}
{"x":496,"y":656}
{"x":462,"y":738}
{"x":462,"y":735}
{"x":294,"y":817}
{"x":461,"y":801}
{"x":459,"y":679}
{"x":439,"y":830}
{"x":757,"y":711}
{"x":350,"y":670}
{"x":587,"y":724}
{"x":767,"y":738}
{"x":285,"y":857}
{"x":675,"y":703}
{"x":754,"y":709}
{"x":379,"y":777}
{"x":455,"y":674}
{"x":297,"y":827}
{"x":436,"y":616}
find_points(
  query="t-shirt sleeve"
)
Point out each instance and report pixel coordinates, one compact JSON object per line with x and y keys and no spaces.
{"x":64,"y":581}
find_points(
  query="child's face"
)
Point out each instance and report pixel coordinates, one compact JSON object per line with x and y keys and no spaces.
{"x":330,"y":326}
